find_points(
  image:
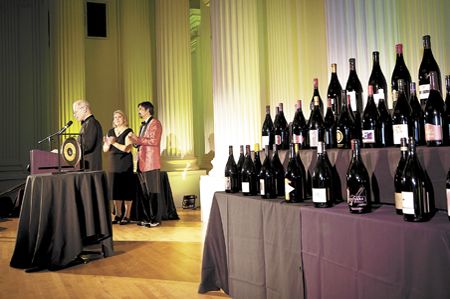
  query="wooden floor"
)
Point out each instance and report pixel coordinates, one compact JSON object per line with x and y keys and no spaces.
{"x":161,"y":262}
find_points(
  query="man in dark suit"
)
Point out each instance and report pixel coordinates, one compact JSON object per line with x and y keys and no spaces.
{"x":92,"y":135}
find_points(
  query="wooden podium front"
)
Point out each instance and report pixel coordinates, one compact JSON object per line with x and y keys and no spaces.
{"x":47,"y":162}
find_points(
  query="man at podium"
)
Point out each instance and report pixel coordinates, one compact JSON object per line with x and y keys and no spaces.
{"x":91,"y":132}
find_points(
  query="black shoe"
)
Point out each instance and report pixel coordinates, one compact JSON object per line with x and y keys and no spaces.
{"x":142,"y":223}
{"x":154,"y":224}
{"x":125,"y":221}
{"x":116,"y":220}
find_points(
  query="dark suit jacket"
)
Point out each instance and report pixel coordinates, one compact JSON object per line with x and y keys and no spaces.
{"x":92,"y":135}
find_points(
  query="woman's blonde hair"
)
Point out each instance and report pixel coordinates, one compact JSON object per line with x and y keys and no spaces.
{"x":125,"y":119}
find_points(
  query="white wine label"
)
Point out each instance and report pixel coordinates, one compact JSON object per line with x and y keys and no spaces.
{"x":352,"y":95}
{"x":319,"y":194}
{"x":433,"y":132}
{"x":287,"y":189}
{"x":394,"y":96}
{"x":297,"y":138}
{"x":448,"y":202}
{"x":313,"y":138}
{"x":408,"y":203}
{"x":398,"y":200}
{"x":368,"y":136}
{"x":378,"y":95}
{"x":339,"y":137}
{"x":262,"y":187}
{"x":265,"y":141}
{"x":424,"y":91}
{"x":227,"y":183}
{"x":277,"y":139}
{"x":400,"y":131}
{"x":246,"y":187}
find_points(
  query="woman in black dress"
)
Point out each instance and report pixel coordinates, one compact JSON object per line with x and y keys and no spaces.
{"x":120,"y":175}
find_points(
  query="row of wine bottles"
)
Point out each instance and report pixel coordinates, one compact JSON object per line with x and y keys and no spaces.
{"x":376,"y":127}
{"x":413,"y":190}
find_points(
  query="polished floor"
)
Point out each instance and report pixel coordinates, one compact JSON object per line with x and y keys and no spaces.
{"x":161,"y":262}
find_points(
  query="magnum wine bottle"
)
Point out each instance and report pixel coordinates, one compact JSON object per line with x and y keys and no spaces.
{"x":401,"y":118}
{"x":345,"y":127}
{"x":398,"y":176}
{"x":249,"y":186}
{"x":316,"y":127}
{"x":268,"y":130}
{"x":417,"y":116}
{"x":334,"y":91}
{"x":300,"y":128}
{"x":257,"y":162}
{"x":316,"y":94}
{"x":278,"y":170}
{"x":400,"y":72}
{"x":231,"y":173}
{"x":322,"y":180}
{"x":330,"y":126}
{"x":448,"y":194}
{"x":427,"y":65}
{"x":371,"y":136}
{"x":267,"y":178}
{"x":281,"y":130}
{"x":358,"y":183}
{"x":293,"y":180}
{"x":417,"y":202}
{"x":239,"y":165}
{"x":385,"y":125}
{"x":435,"y":120}
{"x":377,"y":79}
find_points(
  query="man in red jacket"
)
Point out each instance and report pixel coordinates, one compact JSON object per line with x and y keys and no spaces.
{"x":149,"y":163}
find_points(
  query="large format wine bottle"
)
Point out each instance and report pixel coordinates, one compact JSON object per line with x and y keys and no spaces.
{"x":377,"y":79}
{"x":417,"y":202}
{"x":300,"y":128}
{"x":417,"y":116}
{"x":281,"y":130}
{"x":400,"y":72}
{"x":330,"y":126}
{"x":334,"y":91}
{"x":316,"y":94}
{"x":267,"y":130}
{"x":278,"y":170}
{"x":448,"y":194}
{"x":249,"y":186}
{"x":371,"y":136}
{"x":257,"y":162}
{"x":239,"y":166}
{"x":385,"y":125}
{"x":401,"y":118}
{"x":345,"y":127}
{"x":322,"y":180}
{"x":398,"y":175}
{"x":293,"y":182}
{"x":231,"y":173}
{"x":267,"y":178}
{"x":358,"y":183}
{"x":316,"y":127}
{"x":435,"y":120}
{"x":427,"y":66}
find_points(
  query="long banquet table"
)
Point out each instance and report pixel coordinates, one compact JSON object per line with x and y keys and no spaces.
{"x":257,"y":248}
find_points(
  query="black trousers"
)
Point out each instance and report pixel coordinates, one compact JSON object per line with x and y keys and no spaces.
{"x":151,"y":199}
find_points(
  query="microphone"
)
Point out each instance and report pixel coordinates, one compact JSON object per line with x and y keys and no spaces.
{"x":69,"y":123}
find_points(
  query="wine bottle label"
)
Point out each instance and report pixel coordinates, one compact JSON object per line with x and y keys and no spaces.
{"x":400,"y":131}
{"x":357,"y":200}
{"x":378,"y":95}
{"x":262,"y":187}
{"x":394,"y":96}
{"x":288,"y":189}
{"x":265,"y":141}
{"x":319,"y":194}
{"x":277,"y":139}
{"x":398,"y":201}
{"x":368,"y":136}
{"x":339,"y":137}
{"x":424,"y":91}
{"x":297,"y":138}
{"x":448,"y":202}
{"x":408,"y":203}
{"x":227,"y":183}
{"x":433,"y":132}
{"x":245,"y":187}
{"x":352,"y":95}
{"x":313,"y":138}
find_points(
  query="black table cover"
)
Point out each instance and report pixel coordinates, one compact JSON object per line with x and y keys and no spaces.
{"x":60,"y":215}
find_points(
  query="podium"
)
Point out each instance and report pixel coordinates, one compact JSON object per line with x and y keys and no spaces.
{"x":47,"y":162}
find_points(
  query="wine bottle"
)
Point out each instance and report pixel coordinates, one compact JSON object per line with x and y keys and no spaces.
{"x":354,"y":88}
{"x":377,"y":79}
{"x":334,"y":91}
{"x":293,"y":181}
{"x":358,"y":183}
{"x":386,"y":133}
{"x":448,"y":194}
{"x":257,"y":162}
{"x":240,"y":163}
{"x":447,"y":108}
{"x":321,"y":180}
{"x":417,"y":116}
{"x":401,"y":118}
{"x":267,"y":130}
{"x":248,"y":174}
{"x":303,"y":174}
{"x":316,"y":127}
{"x":345,"y":127}
{"x":316,"y":94}
{"x":281,"y":129}
{"x":416,"y":200}
{"x":231,"y":173}
{"x":371,"y":136}
{"x":427,"y":65}
{"x":400,"y":72}
{"x":267,"y":178}
{"x":278,"y":170}
{"x":300,"y":127}
{"x":398,"y":175}
{"x":330,"y":126}
{"x":435,"y":120}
